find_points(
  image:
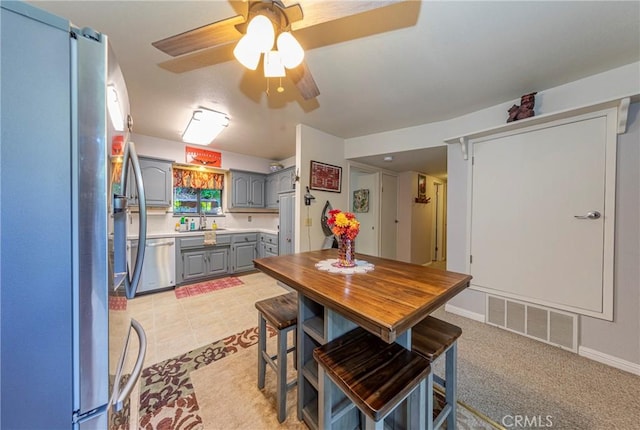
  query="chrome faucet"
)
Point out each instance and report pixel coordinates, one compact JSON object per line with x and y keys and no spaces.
{"x":203,"y":221}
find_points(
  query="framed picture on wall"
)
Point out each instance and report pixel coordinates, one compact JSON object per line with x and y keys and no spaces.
{"x":325,"y":177}
{"x":422,"y":186}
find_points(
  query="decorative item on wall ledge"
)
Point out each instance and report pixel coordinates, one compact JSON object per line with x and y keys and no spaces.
{"x":325,"y":177}
{"x":345,"y":227}
{"x":423,"y":200}
{"x":203,"y":157}
{"x":361,"y":200}
{"x":525,"y":110}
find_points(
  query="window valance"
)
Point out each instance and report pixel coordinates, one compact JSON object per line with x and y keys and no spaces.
{"x":197,"y":179}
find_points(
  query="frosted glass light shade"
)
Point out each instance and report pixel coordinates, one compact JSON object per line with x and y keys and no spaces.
{"x":262,"y":33}
{"x":273,"y":67}
{"x":246,"y":52}
{"x":204,"y":126}
{"x":290,"y":50}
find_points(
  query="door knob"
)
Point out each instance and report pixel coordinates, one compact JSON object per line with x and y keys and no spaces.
{"x":589,"y":215}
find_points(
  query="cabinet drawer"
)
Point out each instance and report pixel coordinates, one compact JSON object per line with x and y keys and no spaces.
{"x":198,"y":241}
{"x":269,"y":238}
{"x":241,"y":238}
{"x":271,"y":249}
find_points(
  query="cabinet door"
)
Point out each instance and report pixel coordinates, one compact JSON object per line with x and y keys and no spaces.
{"x":218,"y":261}
{"x":157,"y":180}
{"x":240,"y":189}
{"x":271,"y":191}
{"x":257,"y":191}
{"x":194,"y":264}
{"x":156,"y":176}
{"x":285,"y":180}
{"x":286,"y":237}
{"x":243,"y":254}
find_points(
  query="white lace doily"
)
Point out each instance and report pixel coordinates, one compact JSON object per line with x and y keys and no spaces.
{"x":360,"y":267}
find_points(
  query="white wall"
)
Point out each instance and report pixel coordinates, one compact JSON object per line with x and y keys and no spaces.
{"x":620,"y":338}
{"x":312,"y":144}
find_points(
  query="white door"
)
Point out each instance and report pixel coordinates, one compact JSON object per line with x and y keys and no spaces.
{"x":531,"y":236}
{"x":389,"y":216}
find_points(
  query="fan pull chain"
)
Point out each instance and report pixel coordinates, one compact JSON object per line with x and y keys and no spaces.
{"x":280,"y":88}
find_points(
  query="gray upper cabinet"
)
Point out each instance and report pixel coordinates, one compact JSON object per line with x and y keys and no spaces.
{"x":157,"y":179}
{"x":247,"y":189}
{"x":279,"y":182}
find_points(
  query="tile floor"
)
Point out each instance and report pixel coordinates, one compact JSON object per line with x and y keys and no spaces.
{"x":175,"y":326}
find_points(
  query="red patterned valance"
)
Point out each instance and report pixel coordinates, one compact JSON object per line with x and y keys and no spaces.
{"x":197,"y":179}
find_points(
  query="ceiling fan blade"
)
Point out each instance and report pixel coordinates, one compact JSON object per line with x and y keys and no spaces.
{"x":392,"y":17}
{"x":321,"y":11}
{"x":199,"y":59}
{"x":301,"y":76}
{"x":217,"y":33}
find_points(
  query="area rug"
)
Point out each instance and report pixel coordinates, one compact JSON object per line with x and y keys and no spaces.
{"x":214,"y":387}
{"x":207,"y":287}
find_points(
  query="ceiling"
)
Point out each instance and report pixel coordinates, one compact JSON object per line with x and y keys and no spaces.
{"x":450,"y":59}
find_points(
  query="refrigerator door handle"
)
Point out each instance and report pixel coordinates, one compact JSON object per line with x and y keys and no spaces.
{"x":119,"y":394}
{"x":131,"y":286}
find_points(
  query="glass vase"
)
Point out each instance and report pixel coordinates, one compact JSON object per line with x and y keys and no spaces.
{"x":346,"y":252}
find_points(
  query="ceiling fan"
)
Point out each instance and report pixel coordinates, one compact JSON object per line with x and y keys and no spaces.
{"x":313,"y":23}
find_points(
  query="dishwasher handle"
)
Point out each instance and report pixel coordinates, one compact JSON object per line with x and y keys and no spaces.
{"x":151,"y":244}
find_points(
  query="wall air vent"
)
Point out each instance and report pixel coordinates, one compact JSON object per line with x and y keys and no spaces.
{"x":548,"y":325}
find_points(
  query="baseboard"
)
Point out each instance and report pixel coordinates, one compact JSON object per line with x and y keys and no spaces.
{"x":464,"y":313}
{"x":609,"y":360}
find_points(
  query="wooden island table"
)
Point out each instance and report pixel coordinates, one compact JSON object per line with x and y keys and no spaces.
{"x":387,"y":301}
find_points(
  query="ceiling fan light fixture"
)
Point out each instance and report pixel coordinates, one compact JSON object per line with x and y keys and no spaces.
{"x":273,"y":67}
{"x":290,"y":50}
{"x":247,"y":53}
{"x":204,"y":126}
{"x":262,"y":33}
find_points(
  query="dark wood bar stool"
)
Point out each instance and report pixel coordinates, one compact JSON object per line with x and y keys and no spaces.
{"x":281,"y":312}
{"x":431,"y":338}
{"x":376,"y":376}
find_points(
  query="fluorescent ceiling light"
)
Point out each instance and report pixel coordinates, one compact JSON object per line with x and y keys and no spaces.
{"x":113,"y":106}
{"x":204,"y":126}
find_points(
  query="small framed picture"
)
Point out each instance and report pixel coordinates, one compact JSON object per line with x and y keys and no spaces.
{"x":325,"y":177}
{"x":422,"y":186}
{"x":361,"y":200}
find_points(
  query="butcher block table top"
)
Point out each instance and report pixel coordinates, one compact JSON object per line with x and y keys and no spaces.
{"x":386,"y":301}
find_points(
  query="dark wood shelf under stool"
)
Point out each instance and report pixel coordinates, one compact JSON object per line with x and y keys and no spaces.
{"x":376,"y":376}
{"x":281,"y":312}
{"x":430,"y":338}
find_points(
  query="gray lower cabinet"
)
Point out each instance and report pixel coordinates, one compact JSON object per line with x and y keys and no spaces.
{"x":268,"y":245}
{"x":243,"y":251}
{"x":197,"y":261}
{"x":204,"y":263}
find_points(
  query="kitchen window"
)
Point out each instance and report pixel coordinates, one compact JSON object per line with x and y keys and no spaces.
{"x":197,"y":191}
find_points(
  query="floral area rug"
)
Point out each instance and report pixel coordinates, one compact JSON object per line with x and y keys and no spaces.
{"x":207,"y":287}
{"x":167,"y":397}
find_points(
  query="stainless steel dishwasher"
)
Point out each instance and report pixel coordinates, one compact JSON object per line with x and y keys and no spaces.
{"x":159,"y":267}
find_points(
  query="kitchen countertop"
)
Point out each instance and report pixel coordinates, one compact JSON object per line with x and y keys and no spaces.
{"x":201,"y":232}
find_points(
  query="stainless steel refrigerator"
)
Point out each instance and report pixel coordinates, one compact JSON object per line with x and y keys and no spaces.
{"x":59,"y":264}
